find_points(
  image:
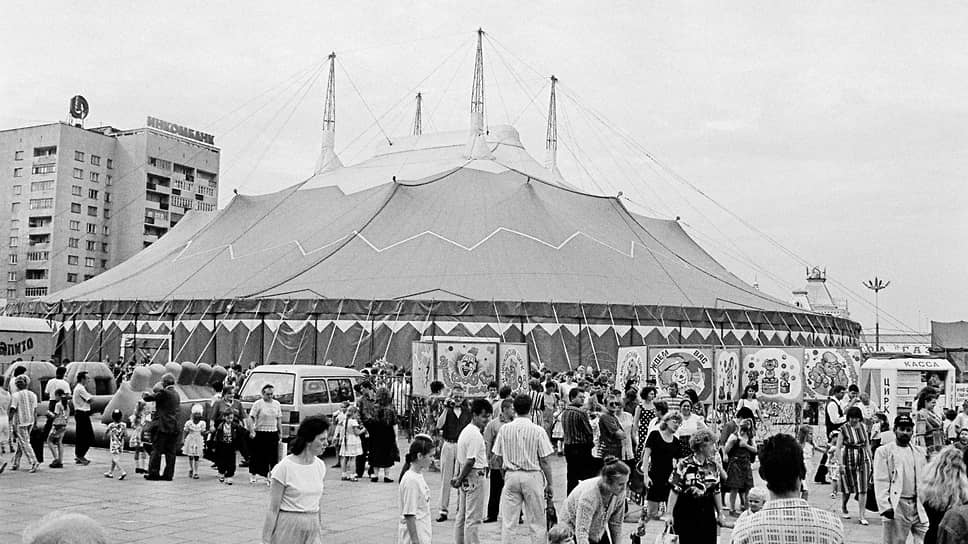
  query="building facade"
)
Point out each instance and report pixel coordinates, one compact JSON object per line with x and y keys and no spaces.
{"x":816,"y":297}
{"x":75,"y":202}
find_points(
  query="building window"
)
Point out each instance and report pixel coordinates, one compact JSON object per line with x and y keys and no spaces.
{"x":92,"y":194}
{"x":91,"y":228}
{"x":159,"y":163}
{"x":75,"y":207}
{"x":11,"y":276}
{"x":89,"y":262}
{"x":41,"y":203}
{"x":77,"y":190}
{"x":37,"y":256}
{"x":11,"y":294}
{"x":92,"y":211}
{"x":17,"y":189}
{"x":18,"y":172}
{"x":95,"y":177}
{"x":36,"y":186}
{"x":14,"y":207}
{"x":75,"y":225}
{"x":79,"y":156}
{"x":107,"y":230}
{"x":72,"y":259}
{"x":14,"y":241}
{"x":104,"y":247}
{"x":35,"y":292}
{"x":18,"y":155}
{"x":44,"y":169}
{"x":95,"y":160}
{"x":45,"y":151}
{"x":13,"y":258}
{"x":110,"y":165}
{"x":107,"y":197}
{"x":78,"y":173}
{"x":71,"y":277}
{"x":107,"y":213}
{"x":72,"y":242}
{"x":107,"y":180}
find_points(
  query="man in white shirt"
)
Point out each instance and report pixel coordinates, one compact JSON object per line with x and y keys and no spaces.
{"x":898,"y":469}
{"x":57,"y":383}
{"x":469,"y":482}
{"x":524,"y":449}
{"x":23,"y":406}
{"x":84,"y":435}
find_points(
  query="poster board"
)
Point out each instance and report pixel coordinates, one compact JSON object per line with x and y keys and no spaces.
{"x":777,"y":372}
{"x":824,"y":368}
{"x":690,"y":368}
{"x":727,"y":375}
{"x":422,"y":367}
{"x":632,"y":367}
{"x":471,"y":364}
{"x":514,"y":366}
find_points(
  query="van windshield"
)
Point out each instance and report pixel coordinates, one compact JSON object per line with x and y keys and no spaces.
{"x":282,"y":383}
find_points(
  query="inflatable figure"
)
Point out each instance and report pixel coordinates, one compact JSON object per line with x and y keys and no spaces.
{"x":39,"y":373}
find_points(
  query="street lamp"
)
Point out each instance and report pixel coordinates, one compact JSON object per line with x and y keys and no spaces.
{"x":876,"y":285}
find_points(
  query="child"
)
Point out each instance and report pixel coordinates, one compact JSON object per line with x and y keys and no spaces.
{"x":116,"y":432}
{"x":350,"y":445}
{"x":950,"y":430}
{"x":340,"y":420}
{"x":557,"y":431}
{"x":757,"y":498}
{"x":194,"y":440}
{"x":137,"y":421}
{"x":59,"y":426}
{"x":805,"y":438}
{"x":228,"y":435}
{"x":414,"y":493}
{"x":962,"y":443}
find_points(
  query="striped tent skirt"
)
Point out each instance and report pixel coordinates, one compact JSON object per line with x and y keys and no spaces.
{"x":297,"y":528}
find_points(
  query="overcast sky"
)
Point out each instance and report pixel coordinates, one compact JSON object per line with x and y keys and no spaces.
{"x":836,"y":128}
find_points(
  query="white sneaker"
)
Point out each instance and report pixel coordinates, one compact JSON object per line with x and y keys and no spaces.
{"x":252,"y":479}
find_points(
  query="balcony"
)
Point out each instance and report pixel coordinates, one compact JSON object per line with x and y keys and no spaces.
{"x":45,"y":159}
{"x":182,"y":202}
{"x":205,"y":207}
{"x":182,"y":185}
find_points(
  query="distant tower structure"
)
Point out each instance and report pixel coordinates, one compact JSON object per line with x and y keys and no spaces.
{"x":551,"y":136}
{"x":327,"y":154}
{"x":815,"y":297}
{"x":477,"y":147}
{"x":417,"y":128}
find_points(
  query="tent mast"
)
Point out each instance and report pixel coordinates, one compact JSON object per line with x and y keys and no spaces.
{"x":417,"y":128}
{"x":327,"y":155}
{"x":477,"y":147}
{"x":551,"y":136}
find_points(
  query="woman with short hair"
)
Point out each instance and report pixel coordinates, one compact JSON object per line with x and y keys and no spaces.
{"x":694,"y":501}
{"x":853,"y":449}
{"x":294,"y":514}
{"x":597,"y":505}
{"x":928,"y":427}
{"x":658,"y":459}
{"x":691,"y":424}
{"x":266,"y":421}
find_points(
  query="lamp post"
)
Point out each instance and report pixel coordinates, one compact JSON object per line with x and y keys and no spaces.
{"x":876,"y":285}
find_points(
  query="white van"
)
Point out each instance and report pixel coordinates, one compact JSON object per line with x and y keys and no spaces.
{"x":302,"y":390}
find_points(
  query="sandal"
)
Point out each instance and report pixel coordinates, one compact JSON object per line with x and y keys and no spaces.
{"x":354,"y":478}
{"x":864,"y":522}
{"x":195,"y":476}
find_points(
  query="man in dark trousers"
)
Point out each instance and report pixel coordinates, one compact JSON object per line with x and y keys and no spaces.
{"x":833,"y":417}
{"x":165,"y":431}
{"x":456,"y":416}
{"x":578,"y":438}
{"x":367,"y":408}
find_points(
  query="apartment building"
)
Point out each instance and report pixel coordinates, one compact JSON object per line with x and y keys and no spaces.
{"x":75,"y":202}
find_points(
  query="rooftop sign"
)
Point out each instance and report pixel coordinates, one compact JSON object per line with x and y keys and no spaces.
{"x":179,"y":130}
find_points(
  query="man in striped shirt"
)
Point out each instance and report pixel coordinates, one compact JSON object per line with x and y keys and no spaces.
{"x":524,"y":449}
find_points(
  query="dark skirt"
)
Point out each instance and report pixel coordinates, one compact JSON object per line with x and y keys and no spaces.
{"x":739,"y":471}
{"x":659,"y":492}
{"x":694,"y":519}
{"x":265,"y":453}
{"x":383,"y":445}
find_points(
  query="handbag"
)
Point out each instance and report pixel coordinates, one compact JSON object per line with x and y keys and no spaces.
{"x":637,"y":480}
{"x":668,"y":535}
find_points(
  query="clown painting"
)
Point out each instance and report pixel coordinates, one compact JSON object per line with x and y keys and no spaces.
{"x":686,"y":367}
{"x":632,"y":368}
{"x":472,"y":365}
{"x":514,"y":366}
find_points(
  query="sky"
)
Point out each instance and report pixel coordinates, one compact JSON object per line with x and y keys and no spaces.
{"x":782,"y":134}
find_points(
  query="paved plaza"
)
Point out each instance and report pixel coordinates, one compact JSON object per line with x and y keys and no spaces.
{"x":191,"y":511}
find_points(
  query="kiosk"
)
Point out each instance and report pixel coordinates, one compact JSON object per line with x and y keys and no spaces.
{"x":893,"y":380}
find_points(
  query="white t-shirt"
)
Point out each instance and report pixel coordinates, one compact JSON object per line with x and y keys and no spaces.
{"x":414,"y":501}
{"x":470,"y":444}
{"x":303,"y":484}
{"x":53,"y":385}
{"x":690,"y":425}
{"x":82,"y":398}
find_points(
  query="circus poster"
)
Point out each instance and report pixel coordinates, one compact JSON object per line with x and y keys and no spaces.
{"x":825,"y":368}
{"x":778,"y":417}
{"x":727,"y":375}
{"x":632,"y":368}
{"x":854,"y":361}
{"x":471,"y":364}
{"x":514,"y":366}
{"x":777,"y":372}
{"x":422,"y":367}
{"x":690,"y":368}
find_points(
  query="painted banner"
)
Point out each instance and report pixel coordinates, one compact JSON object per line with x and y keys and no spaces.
{"x":514,"y":366}
{"x":825,"y":368}
{"x":855,"y":361}
{"x":777,"y":372}
{"x":727,"y":375}
{"x":690,"y":368}
{"x":470,"y":364}
{"x":632,"y":368}
{"x":422,"y":367}
{"x":777,"y":417}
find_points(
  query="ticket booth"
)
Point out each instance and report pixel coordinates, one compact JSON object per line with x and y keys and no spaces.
{"x":894,"y":381}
